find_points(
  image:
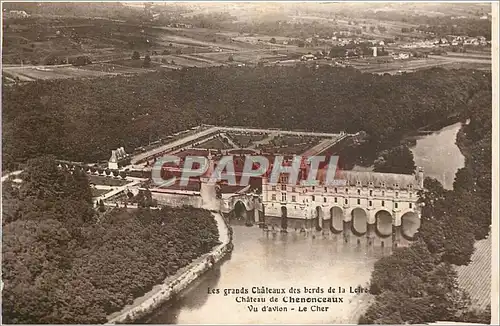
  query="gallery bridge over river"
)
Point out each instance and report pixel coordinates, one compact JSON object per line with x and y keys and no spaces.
{"x":372,"y":204}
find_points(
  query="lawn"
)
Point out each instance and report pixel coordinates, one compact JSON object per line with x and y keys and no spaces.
{"x":246,"y":140}
{"x":107,"y":181}
{"x":290,"y":145}
{"x":215,"y":143}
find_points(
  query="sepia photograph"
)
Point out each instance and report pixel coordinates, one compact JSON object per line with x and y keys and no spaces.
{"x":220,"y":162}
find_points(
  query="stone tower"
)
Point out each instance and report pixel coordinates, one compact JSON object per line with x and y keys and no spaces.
{"x":208,"y":191}
{"x":420,"y":177}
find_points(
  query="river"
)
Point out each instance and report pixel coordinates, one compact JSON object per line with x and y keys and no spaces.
{"x":439,"y":155}
{"x":294,"y":259}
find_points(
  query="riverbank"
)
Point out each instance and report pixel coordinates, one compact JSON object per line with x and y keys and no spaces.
{"x":174,"y":284}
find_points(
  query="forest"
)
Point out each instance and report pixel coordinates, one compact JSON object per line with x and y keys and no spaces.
{"x":65,"y":263}
{"x":82,"y":119}
{"x":425,"y":287}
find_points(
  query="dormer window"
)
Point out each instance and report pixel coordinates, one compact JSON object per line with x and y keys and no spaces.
{"x":383,"y":184}
{"x":358,"y":183}
{"x":397,"y":185}
{"x":359,"y":192}
{"x":371,"y":184}
{"x":346,"y":190}
{"x":410,"y":186}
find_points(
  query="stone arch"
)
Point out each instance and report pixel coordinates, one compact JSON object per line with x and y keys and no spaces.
{"x":284,"y":218}
{"x":410,"y":223}
{"x":337,"y":219}
{"x":359,"y":220}
{"x":243,"y":201}
{"x":318,"y":220}
{"x":383,"y":220}
{"x":240,"y":210}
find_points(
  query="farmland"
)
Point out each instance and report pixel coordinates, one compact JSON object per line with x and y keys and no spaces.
{"x":40,"y":47}
{"x":24,"y":74}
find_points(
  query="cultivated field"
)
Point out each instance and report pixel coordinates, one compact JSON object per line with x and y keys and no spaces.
{"x":31,"y":73}
{"x":449,"y":62}
{"x":25,"y":74}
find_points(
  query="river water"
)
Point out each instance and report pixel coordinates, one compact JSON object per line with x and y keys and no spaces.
{"x":299,"y":260}
{"x":438,"y":154}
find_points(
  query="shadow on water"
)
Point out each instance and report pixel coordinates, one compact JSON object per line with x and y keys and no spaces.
{"x":190,"y":298}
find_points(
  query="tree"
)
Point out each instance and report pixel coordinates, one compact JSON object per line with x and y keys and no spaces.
{"x":272,"y":40}
{"x":123,"y":174}
{"x":396,"y":160}
{"x":102,"y":208}
{"x":47,"y":246}
{"x":337,"y":51}
{"x":147,"y":61}
{"x":230,"y":59}
{"x":136,"y":55}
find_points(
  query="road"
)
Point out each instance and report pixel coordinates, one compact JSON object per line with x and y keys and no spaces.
{"x":5,"y":177}
{"x":117,"y":190}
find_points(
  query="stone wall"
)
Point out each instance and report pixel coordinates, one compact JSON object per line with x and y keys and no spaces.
{"x":177,"y":200}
